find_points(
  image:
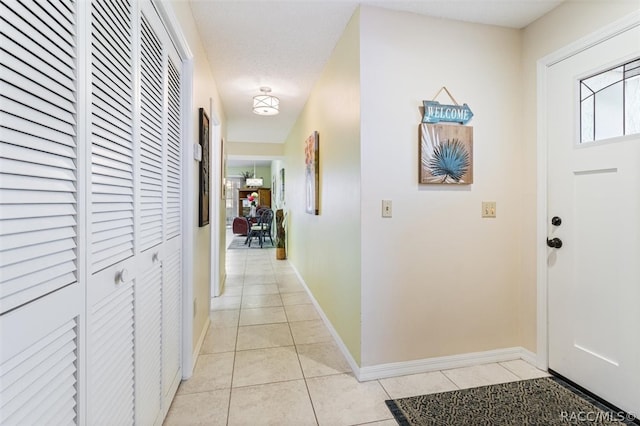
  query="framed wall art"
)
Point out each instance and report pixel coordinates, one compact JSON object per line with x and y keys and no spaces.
{"x":205,"y":169}
{"x":312,"y":173}
{"x":446,"y":154}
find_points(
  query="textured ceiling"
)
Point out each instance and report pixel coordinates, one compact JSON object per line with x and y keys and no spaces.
{"x":285,"y":44}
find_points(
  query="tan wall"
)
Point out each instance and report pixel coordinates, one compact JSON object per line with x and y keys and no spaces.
{"x":204,"y":89}
{"x":326,"y":248}
{"x":437,"y":279}
{"x":564,"y":25}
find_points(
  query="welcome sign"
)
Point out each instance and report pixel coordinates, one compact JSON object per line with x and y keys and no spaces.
{"x":434,"y":112}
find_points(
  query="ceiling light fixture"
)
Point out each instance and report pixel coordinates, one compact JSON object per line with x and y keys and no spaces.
{"x":266,"y":104}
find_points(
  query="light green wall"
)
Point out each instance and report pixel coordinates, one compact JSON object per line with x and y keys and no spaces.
{"x":261,"y":172}
{"x":325,"y":249}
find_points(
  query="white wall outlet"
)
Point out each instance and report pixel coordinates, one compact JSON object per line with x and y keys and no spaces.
{"x":386,"y":208}
{"x":197,"y":152}
{"x":488,"y":209}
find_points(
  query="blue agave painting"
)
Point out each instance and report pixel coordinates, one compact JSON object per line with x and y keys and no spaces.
{"x":450,"y":160}
{"x":446,"y":154}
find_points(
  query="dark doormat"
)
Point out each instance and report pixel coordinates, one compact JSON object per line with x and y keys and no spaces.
{"x":543,"y":401}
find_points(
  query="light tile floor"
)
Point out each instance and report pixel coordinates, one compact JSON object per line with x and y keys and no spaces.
{"x":268,"y":359}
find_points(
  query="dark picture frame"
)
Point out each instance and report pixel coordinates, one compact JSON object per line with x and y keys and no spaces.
{"x":205,"y":168}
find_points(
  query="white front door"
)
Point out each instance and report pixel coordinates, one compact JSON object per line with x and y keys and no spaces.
{"x":594,"y":189}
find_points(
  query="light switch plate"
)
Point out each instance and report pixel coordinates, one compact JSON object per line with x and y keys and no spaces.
{"x":488,"y":209}
{"x":386,"y":208}
{"x":197,"y":152}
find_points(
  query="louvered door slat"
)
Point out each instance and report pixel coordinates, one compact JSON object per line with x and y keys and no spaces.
{"x":174,"y":168}
{"x":24,"y":132}
{"x":11,"y":196}
{"x":58,"y":10}
{"x":38,"y":360}
{"x":109,"y":108}
{"x":30,"y":64}
{"x":12,"y":70}
{"x":17,"y":152}
{"x":36,"y":210}
{"x":36,"y":43}
{"x":58,"y":40}
{"x":65,"y":124}
{"x":111,"y":129}
{"x":151,"y":140}
{"x":57,"y":169}
{"x":113,"y":49}
{"x":39,"y":223}
{"x":14,"y":256}
{"x":112,"y":132}
{"x":112,"y":352}
{"x":59,"y":369}
{"x":33,"y":183}
{"x":115,"y":224}
{"x":37,"y":151}
{"x":171,"y":312}
{"x":8,"y":242}
{"x":148,"y":344}
{"x":61,"y":110}
{"x":53,"y":277}
{"x":107,"y":150}
{"x":60,"y":5}
{"x":26,"y":268}
{"x":107,"y":166}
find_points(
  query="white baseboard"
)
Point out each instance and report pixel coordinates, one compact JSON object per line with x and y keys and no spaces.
{"x":199,"y":343}
{"x":394,"y":369}
{"x":382,"y":371}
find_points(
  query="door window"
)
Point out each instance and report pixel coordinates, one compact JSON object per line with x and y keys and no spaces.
{"x":610,"y":103}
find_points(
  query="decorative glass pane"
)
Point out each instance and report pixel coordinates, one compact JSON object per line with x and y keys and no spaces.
{"x":604,"y":79}
{"x":610,"y":103}
{"x":585,"y":91}
{"x":632,"y":105}
{"x":586,"y":120}
{"x":609,"y":112}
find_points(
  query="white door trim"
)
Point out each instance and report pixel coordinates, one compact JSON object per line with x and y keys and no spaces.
{"x":214,"y":201}
{"x":630,"y":21}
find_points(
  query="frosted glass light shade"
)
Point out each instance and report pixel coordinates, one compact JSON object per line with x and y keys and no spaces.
{"x":266,"y":105}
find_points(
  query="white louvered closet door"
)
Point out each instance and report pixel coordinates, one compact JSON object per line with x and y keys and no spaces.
{"x":135,"y":221}
{"x":158,"y":289}
{"x":172,"y":264}
{"x":41,"y":302}
{"x":111,"y":222}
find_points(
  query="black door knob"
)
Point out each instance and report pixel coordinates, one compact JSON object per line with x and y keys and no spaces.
{"x":556,"y":221}
{"x":554,"y":242}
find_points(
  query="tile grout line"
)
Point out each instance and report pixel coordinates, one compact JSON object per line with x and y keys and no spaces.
{"x":235,"y":346}
{"x":304,"y":377}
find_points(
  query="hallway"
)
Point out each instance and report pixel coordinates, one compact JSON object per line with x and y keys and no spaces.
{"x":269,"y":359}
